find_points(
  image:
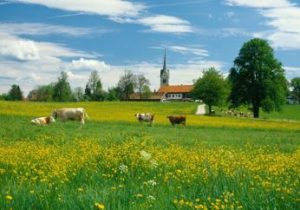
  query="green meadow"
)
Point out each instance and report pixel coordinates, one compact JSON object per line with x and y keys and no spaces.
{"x":115,"y":162}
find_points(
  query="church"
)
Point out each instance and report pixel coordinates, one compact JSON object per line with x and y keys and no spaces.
{"x":167,"y":92}
{"x":172,"y":92}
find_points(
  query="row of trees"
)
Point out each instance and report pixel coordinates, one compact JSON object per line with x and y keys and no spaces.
{"x":61,"y":90}
{"x":257,"y":80}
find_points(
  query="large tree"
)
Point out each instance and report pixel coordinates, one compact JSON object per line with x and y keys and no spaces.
{"x":211,"y":88}
{"x":62,"y":90}
{"x":15,"y":93}
{"x":127,"y":84}
{"x":257,"y":78}
{"x":295,"y":84}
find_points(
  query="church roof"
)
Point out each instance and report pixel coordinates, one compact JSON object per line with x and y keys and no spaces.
{"x":176,"y":89}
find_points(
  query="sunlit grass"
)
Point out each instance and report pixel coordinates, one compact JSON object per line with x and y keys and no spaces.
{"x":124,"y":112}
{"x":114,"y":162}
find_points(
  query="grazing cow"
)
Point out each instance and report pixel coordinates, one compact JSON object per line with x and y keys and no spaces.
{"x":145,"y":117}
{"x":42,"y":120}
{"x":78,"y":114}
{"x":177,"y":120}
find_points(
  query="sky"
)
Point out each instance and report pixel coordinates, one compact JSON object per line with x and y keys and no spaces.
{"x":41,"y":38}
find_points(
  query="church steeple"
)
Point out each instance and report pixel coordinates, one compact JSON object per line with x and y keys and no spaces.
{"x":164,"y":72}
{"x":165,"y":61}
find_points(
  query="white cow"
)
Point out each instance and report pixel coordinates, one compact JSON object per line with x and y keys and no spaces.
{"x":43,"y":120}
{"x":65,"y":114}
{"x":145,"y":117}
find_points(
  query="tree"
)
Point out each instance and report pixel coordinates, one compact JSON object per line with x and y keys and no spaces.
{"x":114,"y":94}
{"x":295,"y":84}
{"x":127,"y":84}
{"x":143,"y":88}
{"x":62,"y":90}
{"x":95,"y":86}
{"x":87,"y":93}
{"x":78,"y":94}
{"x":257,"y":78}
{"x":15,"y":93}
{"x":212,"y":88}
{"x":42,"y":93}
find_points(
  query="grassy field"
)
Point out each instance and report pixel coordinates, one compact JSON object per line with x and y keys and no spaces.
{"x":113,"y":162}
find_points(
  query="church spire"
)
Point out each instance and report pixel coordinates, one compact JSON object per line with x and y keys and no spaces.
{"x":164,"y":72}
{"x":165,"y":60}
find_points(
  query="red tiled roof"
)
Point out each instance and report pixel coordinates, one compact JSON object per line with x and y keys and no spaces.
{"x":176,"y":89}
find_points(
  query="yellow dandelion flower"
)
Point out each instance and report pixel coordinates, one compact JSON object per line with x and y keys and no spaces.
{"x":8,"y":197}
{"x":99,"y":206}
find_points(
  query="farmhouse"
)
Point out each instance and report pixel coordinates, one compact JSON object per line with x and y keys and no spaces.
{"x":166,"y":91}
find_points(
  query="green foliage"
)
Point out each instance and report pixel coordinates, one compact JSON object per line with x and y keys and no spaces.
{"x":295,"y":84}
{"x":42,"y":93}
{"x":87,"y":93}
{"x":93,"y":90}
{"x":62,"y":90}
{"x":127,"y":85}
{"x":257,"y":78}
{"x":143,"y":86}
{"x":3,"y":96}
{"x":15,"y":93}
{"x":212,"y":88}
{"x":78,"y":94}
{"x":114,"y":94}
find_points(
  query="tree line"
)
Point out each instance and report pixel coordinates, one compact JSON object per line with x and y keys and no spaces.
{"x":257,"y":80}
{"x":61,"y":91}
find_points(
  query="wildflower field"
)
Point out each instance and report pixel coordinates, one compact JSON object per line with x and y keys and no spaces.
{"x":114,"y":162}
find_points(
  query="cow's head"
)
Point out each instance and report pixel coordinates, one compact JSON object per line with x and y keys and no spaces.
{"x":52,"y":119}
{"x":54,"y":114}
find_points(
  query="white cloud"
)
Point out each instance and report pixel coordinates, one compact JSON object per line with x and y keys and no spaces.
{"x":166,"y":24}
{"x":195,"y":50}
{"x":27,"y":50}
{"x":18,"y":48}
{"x":283,"y":16}
{"x":259,"y":3}
{"x":121,"y":11}
{"x":46,"y":29}
{"x":110,"y":8}
{"x":292,"y":71}
{"x":230,"y":14}
{"x":189,"y":50}
{"x":84,"y":65}
{"x":281,"y":40}
{"x":284,"y":19}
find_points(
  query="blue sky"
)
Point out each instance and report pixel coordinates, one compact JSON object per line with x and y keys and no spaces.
{"x":41,"y":38}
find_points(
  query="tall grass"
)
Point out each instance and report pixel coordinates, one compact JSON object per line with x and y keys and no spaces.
{"x":114,"y":162}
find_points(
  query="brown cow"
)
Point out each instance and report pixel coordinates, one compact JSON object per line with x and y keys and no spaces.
{"x":177,"y":120}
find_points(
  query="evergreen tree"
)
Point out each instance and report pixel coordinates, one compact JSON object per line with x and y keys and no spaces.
{"x":15,"y":93}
